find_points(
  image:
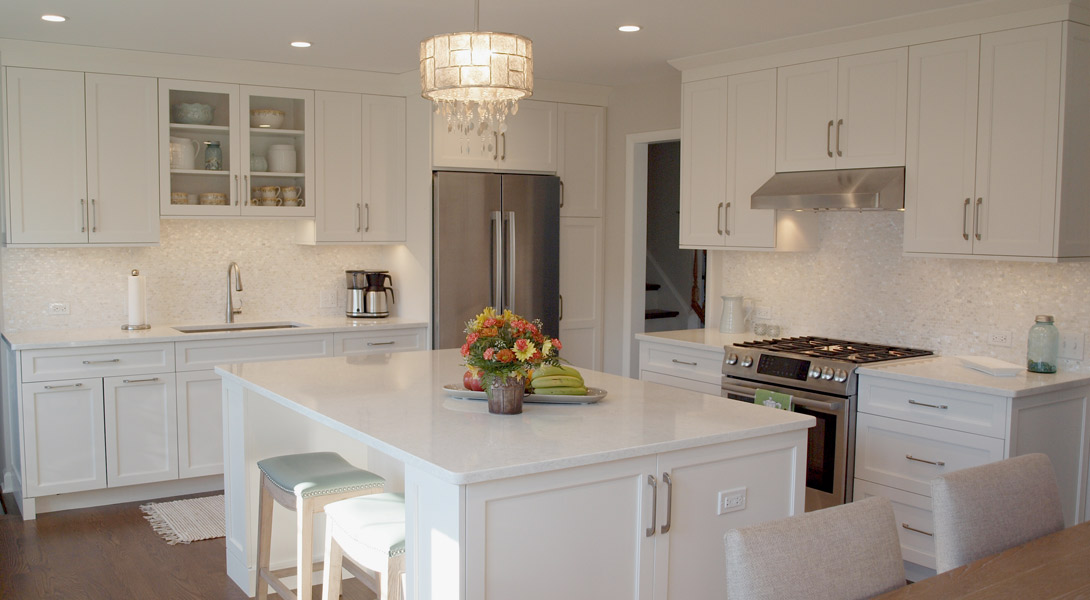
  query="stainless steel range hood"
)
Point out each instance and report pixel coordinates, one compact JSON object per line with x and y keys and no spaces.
{"x":845,"y":189}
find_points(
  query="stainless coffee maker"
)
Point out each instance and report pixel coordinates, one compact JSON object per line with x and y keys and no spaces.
{"x":356,"y":305}
{"x":367,"y":293}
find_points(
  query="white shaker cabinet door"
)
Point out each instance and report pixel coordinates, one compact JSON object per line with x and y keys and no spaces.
{"x":63,"y":427}
{"x":384,"y":168}
{"x":940,"y":164}
{"x":47,"y":157}
{"x":751,"y":158}
{"x":582,"y":245}
{"x":703,"y":162}
{"x":141,"y":429}
{"x":806,"y":116}
{"x":871,"y":99}
{"x":339,"y":160}
{"x":529,"y":144}
{"x":200,"y":423}
{"x":122,"y":158}
{"x":582,"y":160}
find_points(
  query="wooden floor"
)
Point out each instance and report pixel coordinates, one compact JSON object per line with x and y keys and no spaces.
{"x":111,"y":552}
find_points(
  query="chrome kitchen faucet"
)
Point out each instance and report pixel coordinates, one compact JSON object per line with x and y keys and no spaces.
{"x":233,"y":277}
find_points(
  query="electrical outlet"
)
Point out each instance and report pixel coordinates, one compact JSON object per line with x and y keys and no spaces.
{"x":328,"y":299}
{"x":58,"y":308}
{"x":1071,"y":345}
{"x":763,"y":312}
{"x":1000,"y":338}
{"x":731,"y":500}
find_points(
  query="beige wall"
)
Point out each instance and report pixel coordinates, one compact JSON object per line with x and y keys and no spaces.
{"x":651,"y":106}
{"x":859,"y":286}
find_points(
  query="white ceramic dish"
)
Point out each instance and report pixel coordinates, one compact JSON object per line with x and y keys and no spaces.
{"x":455,"y":390}
{"x":191,"y":113}
{"x":266,"y":118}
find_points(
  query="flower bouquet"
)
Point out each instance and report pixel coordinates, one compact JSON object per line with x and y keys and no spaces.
{"x":503,"y":349}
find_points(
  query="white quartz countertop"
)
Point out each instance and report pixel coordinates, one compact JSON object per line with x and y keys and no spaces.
{"x":700,"y":339}
{"x":948,"y":371}
{"x":395,"y":403}
{"x":100,"y":336}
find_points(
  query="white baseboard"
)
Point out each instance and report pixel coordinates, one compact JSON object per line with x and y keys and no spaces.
{"x":130,"y":493}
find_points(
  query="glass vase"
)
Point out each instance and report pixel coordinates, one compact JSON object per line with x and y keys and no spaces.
{"x":505,"y":395}
{"x":1043,"y":347}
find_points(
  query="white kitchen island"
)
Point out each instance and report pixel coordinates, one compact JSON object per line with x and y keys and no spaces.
{"x":619,"y":499}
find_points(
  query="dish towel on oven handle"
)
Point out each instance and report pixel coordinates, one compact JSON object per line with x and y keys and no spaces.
{"x":772,"y":399}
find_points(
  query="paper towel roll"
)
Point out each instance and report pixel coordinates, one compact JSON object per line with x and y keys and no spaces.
{"x":138,"y":310}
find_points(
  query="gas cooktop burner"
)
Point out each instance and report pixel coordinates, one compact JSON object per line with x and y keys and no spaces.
{"x":854,"y":352}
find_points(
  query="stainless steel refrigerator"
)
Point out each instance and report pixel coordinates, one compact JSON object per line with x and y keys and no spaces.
{"x":496,"y":243}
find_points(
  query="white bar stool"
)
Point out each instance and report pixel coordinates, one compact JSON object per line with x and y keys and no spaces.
{"x":305,"y":483}
{"x":370,"y":531}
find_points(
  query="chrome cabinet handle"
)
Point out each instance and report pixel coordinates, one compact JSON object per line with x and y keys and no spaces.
{"x":150,"y":379}
{"x":683,"y":362}
{"x":654,"y":505}
{"x":829,"y":139}
{"x":101,"y":362}
{"x":82,"y":215}
{"x":497,"y":259}
{"x":94,"y":217}
{"x":380,"y":343}
{"x":245,"y":186}
{"x":561,"y":193}
{"x":976,"y":217}
{"x":367,"y":215}
{"x":511,"y":260}
{"x":937,"y":463}
{"x":906,"y":526}
{"x":839,"y":124}
{"x":359,"y":214}
{"x":495,"y":145}
{"x":942,"y":406}
{"x":726,"y":219}
{"x":669,"y":501}
{"x":561,"y":318}
{"x":965,"y":219}
{"x":61,"y":387}
{"x":238,"y":190}
{"x":718,"y":219}
{"x":503,"y":136}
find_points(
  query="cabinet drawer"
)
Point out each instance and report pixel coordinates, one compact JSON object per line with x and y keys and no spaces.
{"x":377,"y":342}
{"x":681,"y":382}
{"x":96,"y":361}
{"x":970,"y":412}
{"x":206,"y":354}
{"x":683,"y":362}
{"x":883,"y":447}
{"x":914,"y":520}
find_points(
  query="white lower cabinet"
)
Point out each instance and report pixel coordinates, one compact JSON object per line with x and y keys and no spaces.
{"x":684,"y":367}
{"x":200,"y":423}
{"x":382,"y":341}
{"x":63,"y":429}
{"x":141,"y":429}
{"x":582,"y":248}
{"x":648,"y":527}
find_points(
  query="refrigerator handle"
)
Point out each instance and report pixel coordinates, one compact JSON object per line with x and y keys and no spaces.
{"x":497,"y":260}
{"x":511,"y":245}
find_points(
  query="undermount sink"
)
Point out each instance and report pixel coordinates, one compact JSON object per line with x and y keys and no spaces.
{"x":239,"y":327}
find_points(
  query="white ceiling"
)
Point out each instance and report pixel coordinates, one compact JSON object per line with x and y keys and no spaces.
{"x":574,"y":40}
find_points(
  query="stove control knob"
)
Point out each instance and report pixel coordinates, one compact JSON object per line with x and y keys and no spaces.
{"x":826,"y":373}
{"x":732,"y":359}
{"x":747,"y":361}
{"x":840,"y":375}
{"x":815,"y":372}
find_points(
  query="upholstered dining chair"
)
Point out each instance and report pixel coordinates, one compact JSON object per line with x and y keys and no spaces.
{"x":845,"y":552}
{"x":983,"y":510}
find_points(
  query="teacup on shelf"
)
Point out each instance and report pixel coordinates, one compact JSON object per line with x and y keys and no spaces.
{"x":268,"y":192}
{"x":179,"y":198}
{"x":213,"y":199}
{"x":267,"y":201}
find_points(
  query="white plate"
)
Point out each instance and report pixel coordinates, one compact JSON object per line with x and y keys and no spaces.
{"x":455,"y":390}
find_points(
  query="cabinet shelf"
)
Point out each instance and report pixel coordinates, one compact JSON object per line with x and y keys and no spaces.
{"x":278,"y":132}
{"x":256,"y":174}
{"x":182,"y":127}
{"x":198,"y":172}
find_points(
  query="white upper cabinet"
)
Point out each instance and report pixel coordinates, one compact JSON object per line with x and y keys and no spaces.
{"x":81,"y":158}
{"x":985,"y":175}
{"x":728,"y":134}
{"x":528,"y":144}
{"x":842,"y":113}
{"x":582,"y":159}
{"x":360,"y":185}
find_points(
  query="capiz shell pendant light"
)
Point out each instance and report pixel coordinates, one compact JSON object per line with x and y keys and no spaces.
{"x":486,"y":71}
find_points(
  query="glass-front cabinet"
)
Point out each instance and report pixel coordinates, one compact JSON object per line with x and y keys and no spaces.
{"x":229,"y":150}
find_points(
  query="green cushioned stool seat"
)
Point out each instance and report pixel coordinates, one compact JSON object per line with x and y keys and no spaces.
{"x":317,"y":474}
{"x":370,"y":532}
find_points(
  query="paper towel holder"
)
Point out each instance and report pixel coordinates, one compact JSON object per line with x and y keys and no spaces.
{"x":128,"y":327}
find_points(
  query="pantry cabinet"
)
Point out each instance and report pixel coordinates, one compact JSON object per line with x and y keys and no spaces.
{"x":248,"y":154}
{"x":728,"y":150}
{"x":842,"y":113}
{"x":581,"y":165}
{"x":528,"y":144}
{"x":1000,"y":174}
{"x":81,"y":156}
{"x":582,"y":287}
{"x":360,"y":157}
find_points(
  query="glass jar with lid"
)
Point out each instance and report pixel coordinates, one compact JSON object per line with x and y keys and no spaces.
{"x":1043,"y":349}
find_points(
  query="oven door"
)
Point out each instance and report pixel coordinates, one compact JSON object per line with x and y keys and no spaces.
{"x":828,"y":477}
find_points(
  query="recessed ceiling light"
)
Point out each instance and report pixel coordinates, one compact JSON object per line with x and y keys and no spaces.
{"x":54,"y":18}
{"x":628,"y":28}
{"x":301,"y":44}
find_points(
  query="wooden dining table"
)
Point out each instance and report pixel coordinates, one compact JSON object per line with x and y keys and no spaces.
{"x":1053,"y":566}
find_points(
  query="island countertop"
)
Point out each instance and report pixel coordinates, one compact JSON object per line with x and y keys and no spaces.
{"x":396,"y":404}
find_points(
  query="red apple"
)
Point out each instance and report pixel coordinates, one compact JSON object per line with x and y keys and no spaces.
{"x":472,"y":381}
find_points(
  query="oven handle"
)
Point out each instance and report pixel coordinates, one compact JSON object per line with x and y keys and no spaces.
{"x":806,"y":402}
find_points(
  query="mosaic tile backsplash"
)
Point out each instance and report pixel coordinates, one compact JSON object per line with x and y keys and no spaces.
{"x":859,"y":286}
{"x":186,"y":276}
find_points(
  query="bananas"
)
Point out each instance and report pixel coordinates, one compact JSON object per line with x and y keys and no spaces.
{"x":558,"y":380}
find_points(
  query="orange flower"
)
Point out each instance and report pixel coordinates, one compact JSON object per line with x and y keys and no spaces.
{"x":505,"y":355}
{"x":490,"y":332}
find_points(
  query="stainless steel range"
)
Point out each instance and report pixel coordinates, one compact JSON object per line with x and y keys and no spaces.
{"x":819,"y":374}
